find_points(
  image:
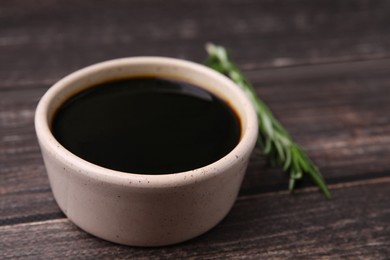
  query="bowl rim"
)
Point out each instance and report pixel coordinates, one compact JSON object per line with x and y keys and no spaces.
{"x":87,"y":169}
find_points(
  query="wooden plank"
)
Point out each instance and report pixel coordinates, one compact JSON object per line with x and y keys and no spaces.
{"x":354,"y":225}
{"x":42,"y":41}
{"x":343,"y":122}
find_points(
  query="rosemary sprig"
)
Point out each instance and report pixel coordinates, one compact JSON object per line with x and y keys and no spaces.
{"x":274,"y":140}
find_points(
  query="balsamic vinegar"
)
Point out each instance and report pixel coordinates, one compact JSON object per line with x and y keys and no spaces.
{"x":147,"y":125}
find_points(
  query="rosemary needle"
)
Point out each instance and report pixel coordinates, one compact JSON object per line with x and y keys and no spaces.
{"x":274,"y":140}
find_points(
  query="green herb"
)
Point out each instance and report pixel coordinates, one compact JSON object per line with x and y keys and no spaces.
{"x":274,"y":140}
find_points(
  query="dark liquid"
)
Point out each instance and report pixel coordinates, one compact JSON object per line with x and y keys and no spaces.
{"x":147,"y":125}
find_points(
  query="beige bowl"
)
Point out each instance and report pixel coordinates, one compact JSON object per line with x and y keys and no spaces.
{"x":138,"y":209}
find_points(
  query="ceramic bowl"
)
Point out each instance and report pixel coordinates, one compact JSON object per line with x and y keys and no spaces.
{"x":137,"y":209}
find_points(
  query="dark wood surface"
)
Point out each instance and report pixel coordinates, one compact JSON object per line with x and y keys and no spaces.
{"x":322,"y":66}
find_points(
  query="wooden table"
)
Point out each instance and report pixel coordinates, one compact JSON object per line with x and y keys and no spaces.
{"x":322,"y":66}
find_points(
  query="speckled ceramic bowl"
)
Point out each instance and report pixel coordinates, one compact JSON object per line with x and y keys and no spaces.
{"x":136,"y":209}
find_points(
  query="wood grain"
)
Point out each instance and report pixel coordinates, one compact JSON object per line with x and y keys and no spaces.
{"x":42,"y":41}
{"x":258,"y":227}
